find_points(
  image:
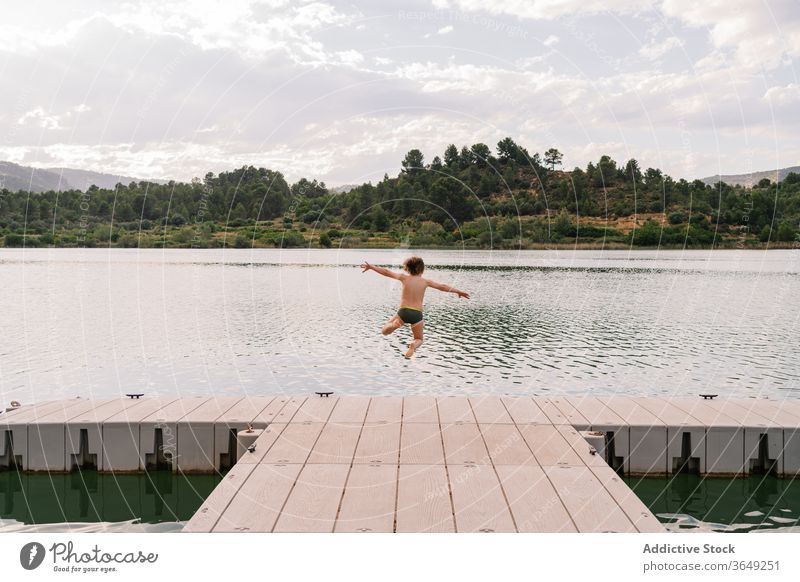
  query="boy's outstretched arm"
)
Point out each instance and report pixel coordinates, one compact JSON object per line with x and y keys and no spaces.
{"x":380,"y":270}
{"x":447,"y":289}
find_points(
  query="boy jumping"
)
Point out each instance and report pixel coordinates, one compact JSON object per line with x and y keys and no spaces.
{"x":414,"y":286}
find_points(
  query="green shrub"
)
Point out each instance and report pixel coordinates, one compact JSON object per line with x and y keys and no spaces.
{"x":678,"y":217}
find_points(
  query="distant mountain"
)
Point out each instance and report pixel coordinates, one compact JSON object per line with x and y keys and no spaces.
{"x":343,"y":189}
{"x":752,"y":178}
{"x":15,"y":177}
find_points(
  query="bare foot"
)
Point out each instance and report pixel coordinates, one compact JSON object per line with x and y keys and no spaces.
{"x":412,"y":347}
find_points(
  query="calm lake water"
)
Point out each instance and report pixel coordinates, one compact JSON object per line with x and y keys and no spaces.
{"x":100,"y":322}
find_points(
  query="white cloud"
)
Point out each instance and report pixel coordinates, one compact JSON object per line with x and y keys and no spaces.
{"x":758,"y":34}
{"x":38,"y":117}
{"x":445,"y":30}
{"x":783,"y":95}
{"x":545,"y":9}
{"x":658,"y":48}
{"x":550,"y":40}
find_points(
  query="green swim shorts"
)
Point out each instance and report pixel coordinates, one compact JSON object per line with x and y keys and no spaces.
{"x":410,"y":315}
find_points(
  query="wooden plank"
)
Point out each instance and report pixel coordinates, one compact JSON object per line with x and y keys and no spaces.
{"x":630,"y":412}
{"x":275,"y":407}
{"x":746,"y":412}
{"x":336,"y":444}
{"x":524,"y":410}
{"x":572,"y":416}
{"x":103,"y":412}
{"x":245,"y":410}
{"x":478,"y":500}
{"x":293,"y":444}
{"x":258,"y":503}
{"x":789,"y":405}
{"x":589,"y":504}
{"x":489,"y":409}
{"x":284,"y":409}
{"x":315,"y":409}
{"x":581,"y":446}
{"x":65,"y":413}
{"x":506,"y":445}
{"x":551,"y":411}
{"x":385,"y":409}
{"x":594,"y":411}
{"x":379,"y":443}
{"x":312,"y":504}
{"x":669,"y":414}
{"x":420,"y":409}
{"x":211,"y":409}
{"x":548,"y":445}
{"x":350,"y":409}
{"x":263,"y":444}
{"x":454,"y":409}
{"x":369,"y":500}
{"x":175,"y":410}
{"x":534,"y":503}
{"x":29,"y":410}
{"x":148,"y":406}
{"x":216,"y":504}
{"x":463,"y":444}
{"x":423,"y":500}
{"x":773,"y":411}
{"x":421,"y":444}
{"x":642,"y":518}
{"x":704,"y":412}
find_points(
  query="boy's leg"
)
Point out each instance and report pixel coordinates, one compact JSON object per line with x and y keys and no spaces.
{"x":416,"y":329}
{"x":392,"y":325}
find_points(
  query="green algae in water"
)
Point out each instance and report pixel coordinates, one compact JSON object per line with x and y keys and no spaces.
{"x":89,"y":496}
{"x":690,"y":502}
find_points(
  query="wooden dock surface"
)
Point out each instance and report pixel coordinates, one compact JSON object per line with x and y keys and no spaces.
{"x":423,"y":464}
{"x":411,"y":464}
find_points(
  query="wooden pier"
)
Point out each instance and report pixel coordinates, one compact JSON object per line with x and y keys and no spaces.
{"x":412,"y":464}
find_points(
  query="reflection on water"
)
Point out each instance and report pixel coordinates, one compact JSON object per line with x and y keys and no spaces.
{"x":103,"y":322}
{"x":84,"y":497}
{"x":692,"y":503}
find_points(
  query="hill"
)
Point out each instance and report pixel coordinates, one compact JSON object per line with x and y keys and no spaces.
{"x":15,"y":177}
{"x":470,"y":197}
{"x":753,"y":178}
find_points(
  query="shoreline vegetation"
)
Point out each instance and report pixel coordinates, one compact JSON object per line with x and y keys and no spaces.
{"x":468,"y":198}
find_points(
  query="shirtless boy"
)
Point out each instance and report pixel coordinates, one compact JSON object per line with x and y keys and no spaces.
{"x":414,"y":286}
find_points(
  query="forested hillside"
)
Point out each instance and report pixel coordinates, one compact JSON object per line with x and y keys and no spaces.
{"x":468,"y":196}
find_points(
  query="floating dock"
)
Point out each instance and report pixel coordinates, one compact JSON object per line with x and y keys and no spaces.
{"x":412,"y":464}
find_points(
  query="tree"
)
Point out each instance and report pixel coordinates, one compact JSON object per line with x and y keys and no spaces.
{"x":436,"y":164}
{"x":465,"y":157}
{"x":607,"y":170}
{"x":507,"y":150}
{"x":452,"y":198}
{"x":414,"y":160}
{"x":633,"y":173}
{"x":325,"y":240}
{"x":487,"y":185}
{"x":786,"y":231}
{"x":553,"y":157}
{"x":653,"y":178}
{"x":379,"y":219}
{"x":309,"y":189}
{"x":563,"y":225}
{"x":480,"y":154}
{"x":451,"y":157}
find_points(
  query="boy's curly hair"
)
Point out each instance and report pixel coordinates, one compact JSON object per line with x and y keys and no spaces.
{"x":414,"y":265}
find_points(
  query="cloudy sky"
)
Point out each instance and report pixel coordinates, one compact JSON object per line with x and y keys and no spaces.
{"x":341,"y":90}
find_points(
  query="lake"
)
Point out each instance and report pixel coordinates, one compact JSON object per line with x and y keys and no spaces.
{"x":101,"y":322}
